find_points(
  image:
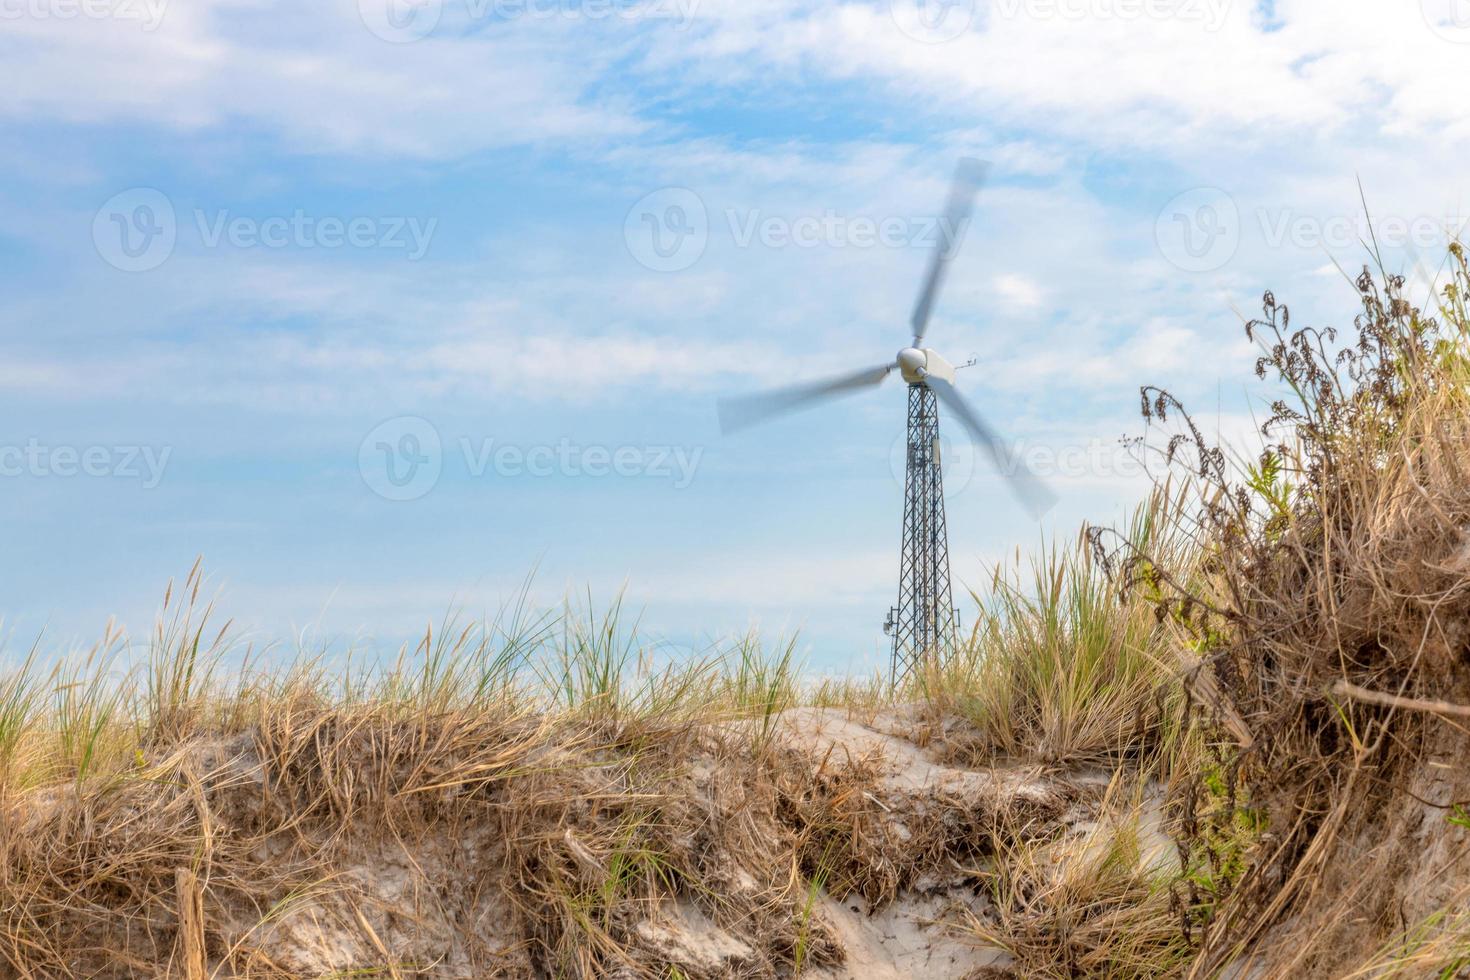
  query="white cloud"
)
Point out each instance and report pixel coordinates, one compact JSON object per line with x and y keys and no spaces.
{"x":313,"y":76}
{"x":317,"y":78}
{"x":1018,"y":291}
{"x":1164,"y":81}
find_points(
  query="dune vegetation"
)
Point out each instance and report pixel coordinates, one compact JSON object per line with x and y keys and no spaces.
{"x":1228,"y":739}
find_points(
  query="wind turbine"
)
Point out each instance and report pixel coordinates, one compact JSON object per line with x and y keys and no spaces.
{"x":922,"y":625}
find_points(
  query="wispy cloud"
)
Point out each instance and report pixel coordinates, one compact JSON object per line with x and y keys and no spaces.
{"x":785,"y":131}
{"x":312,"y":76}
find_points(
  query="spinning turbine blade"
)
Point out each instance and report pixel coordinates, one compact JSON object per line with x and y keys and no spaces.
{"x":968,"y":177}
{"x":1034,"y":495}
{"x":740,"y":413}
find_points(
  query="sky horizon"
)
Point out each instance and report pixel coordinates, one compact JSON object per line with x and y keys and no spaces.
{"x":380,"y":305}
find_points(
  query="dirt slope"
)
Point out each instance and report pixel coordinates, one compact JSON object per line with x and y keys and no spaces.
{"x":464,"y":847}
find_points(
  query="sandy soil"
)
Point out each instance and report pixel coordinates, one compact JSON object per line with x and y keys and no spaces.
{"x":442,"y":892}
{"x":919,"y":933}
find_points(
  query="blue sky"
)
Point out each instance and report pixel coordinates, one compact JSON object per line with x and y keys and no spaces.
{"x":253,"y":254}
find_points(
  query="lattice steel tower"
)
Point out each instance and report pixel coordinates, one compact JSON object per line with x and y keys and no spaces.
{"x":923,"y":623}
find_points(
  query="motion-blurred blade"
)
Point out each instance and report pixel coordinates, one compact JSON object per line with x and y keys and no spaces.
{"x":740,"y":413}
{"x":968,"y":177}
{"x":1034,"y":495}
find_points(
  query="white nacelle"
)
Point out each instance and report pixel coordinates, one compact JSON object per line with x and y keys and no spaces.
{"x":916,"y":365}
{"x":912,"y":364}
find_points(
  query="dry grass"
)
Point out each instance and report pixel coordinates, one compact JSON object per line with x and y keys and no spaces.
{"x":1267,"y":666}
{"x":1062,"y":669}
{"x":524,"y":797}
{"x":1331,"y":623}
{"x":1100,"y":903}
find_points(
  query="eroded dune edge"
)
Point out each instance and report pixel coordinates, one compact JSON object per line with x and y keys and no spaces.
{"x":1227,"y":739}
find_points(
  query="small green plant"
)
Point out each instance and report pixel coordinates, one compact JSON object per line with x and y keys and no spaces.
{"x":634,"y":862}
{"x":20,"y":710}
{"x":1267,"y":481}
{"x":815,"y":886}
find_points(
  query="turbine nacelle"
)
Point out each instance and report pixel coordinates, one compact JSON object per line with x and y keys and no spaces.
{"x":917,"y":364}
